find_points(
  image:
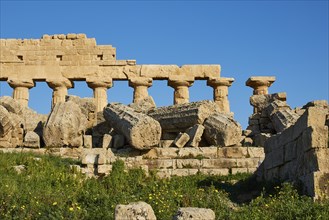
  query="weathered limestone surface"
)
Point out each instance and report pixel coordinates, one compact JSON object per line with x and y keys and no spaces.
{"x":65,"y":126}
{"x":181,"y":140}
{"x":183,"y":116}
{"x":5,"y":122}
{"x":220,"y":85}
{"x":193,"y":213}
{"x":222,"y":130}
{"x":260,"y":84}
{"x":136,"y":210}
{"x":300,"y":153}
{"x":143,"y":105}
{"x":31,"y":139}
{"x":195,"y":133}
{"x":141,"y":131}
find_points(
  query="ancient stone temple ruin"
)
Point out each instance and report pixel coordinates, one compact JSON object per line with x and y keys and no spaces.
{"x":185,"y":138}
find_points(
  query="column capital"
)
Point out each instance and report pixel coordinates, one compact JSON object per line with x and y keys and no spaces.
{"x":14,"y":83}
{"x":260,"y":84}
{"x":98,"y":82}
{"x":140,"y":81}
{"x":220,"y":81}
{"x":62,"y":82}
{"x":177,"y":81}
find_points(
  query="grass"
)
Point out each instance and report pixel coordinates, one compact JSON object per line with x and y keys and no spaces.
{"x":49,"y":189}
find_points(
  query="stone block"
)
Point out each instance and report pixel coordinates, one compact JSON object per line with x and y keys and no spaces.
{"x":107,"y":141}
{"x":274,"y":158}
{"x":209,"y":152}
{"x":31,"y":139}
{"x":290,"y":151}
{"x":194,"y":214}
{"x":136,"y":210}
{"x":235,"y":152}
{"x":219,"y":163}
{"x":188,"y":163}
{"x":161,"y":164}
{"x":239,"y":170}
{"x":257,"y":152}
{"x":181,"y":140}
{"x":195,"y":134}
{"x":87,"y":141}
{"x":249,"y":162}
{"x":260,"y":139}
{"x":220,"y":171}
{"x":180,"y":172}
{"x":104,"y":169}
{"x":189,"y":152}
{"x":164,"y":173}
{"x":167,"y":152}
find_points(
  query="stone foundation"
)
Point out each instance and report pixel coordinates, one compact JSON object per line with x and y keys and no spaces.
{"x":166,"y":161}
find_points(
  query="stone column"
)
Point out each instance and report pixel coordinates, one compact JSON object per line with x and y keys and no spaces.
{"x":140,"y":85}
{"x":181,"y":84}
{"x":220,"y":86}
{"x":60,"y":87}
{"x":100,"y":87}
{"x":260,"y":84}
{"x":21,"y":90}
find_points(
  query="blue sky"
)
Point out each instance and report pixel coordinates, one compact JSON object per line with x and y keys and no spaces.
{"x":286,"y":39}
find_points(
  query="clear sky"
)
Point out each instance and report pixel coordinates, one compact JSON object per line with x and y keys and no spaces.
{"x":286,"y":39}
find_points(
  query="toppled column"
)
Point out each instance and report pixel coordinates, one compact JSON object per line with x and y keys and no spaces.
{"x":59,"y":87}
{"x":221,"y":130}
{"x":260,"y":84}
{"x":183,"y":116}
{"x":140,"y":85}
{"x":220,"y":86}
{"x":181,"y":84}
{"x":100,"y":87}
{"x":141,"y":131}
{"x":21,"y":90}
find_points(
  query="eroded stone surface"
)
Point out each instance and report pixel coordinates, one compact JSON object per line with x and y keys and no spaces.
{"x":140,"y":130}
{"x":136,"y":210}
{"x":193,"y":213}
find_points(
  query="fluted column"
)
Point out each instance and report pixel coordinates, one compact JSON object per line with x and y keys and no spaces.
{"x":21,"y":90}
{"x":100,"y":87}
{"x":220,"y":86}
{"x":260,"y":84}
{"x":180,"y":85}
{"x":140,"y":85}
{"x":60,"y":87}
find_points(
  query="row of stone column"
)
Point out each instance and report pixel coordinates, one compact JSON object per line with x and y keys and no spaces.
{"x":140,"y":85}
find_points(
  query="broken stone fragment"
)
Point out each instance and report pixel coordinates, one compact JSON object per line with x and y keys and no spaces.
{"x":32,"y":140}
{"x":143,"y":105}
{"x":141,"y":131}
{"x":5,"y":122}
{"x":136,"y":210}
{"x":221,"y":130}
{"x":195,"y":134}
{"x":193,"y":213}
{"x":183,"y":116}
{"x":65,"y":126}
{"x":181,"y":140}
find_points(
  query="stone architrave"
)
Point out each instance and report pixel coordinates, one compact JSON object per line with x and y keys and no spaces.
{"x":220,"y":86}
{"x":136,"y":210}
{"x":183,"y":116}
{"x":140,"y":85}
{"x":180,"y":85}
{"x":221,"y":130}
{"x":60,"y":87}
{"x":260,"y":84}
{"x":141,"y":131}
{"x":21,"y":89}
{"x":100,"y":87}
{"x":65,"y":126}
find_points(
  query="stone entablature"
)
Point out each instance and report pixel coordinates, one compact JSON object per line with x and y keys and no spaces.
{"x":62,"y":59}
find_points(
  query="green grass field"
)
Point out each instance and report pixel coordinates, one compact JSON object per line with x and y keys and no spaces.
{"x":48,"y":189}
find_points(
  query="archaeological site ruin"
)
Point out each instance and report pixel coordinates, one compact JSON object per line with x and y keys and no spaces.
{"x":186,"y":138}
